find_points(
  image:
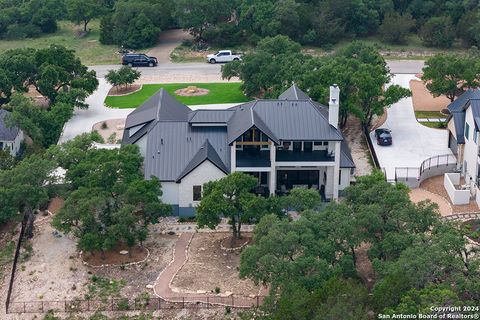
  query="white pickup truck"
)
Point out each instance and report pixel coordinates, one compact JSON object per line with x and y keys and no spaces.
{"x":224,"y":56}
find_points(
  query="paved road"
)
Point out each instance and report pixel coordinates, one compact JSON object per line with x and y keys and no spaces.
{"x":412,"y":142}
{"x":205,"y":69}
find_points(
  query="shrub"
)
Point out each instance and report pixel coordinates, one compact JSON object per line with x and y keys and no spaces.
{"x":438,"y":32}
{"x":104,"y":125}
{"x":217,"y":290}
{"x":396,"y":27}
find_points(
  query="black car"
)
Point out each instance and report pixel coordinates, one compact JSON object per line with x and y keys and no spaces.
{"x":139,"y":60}
{"x":384,"y":136}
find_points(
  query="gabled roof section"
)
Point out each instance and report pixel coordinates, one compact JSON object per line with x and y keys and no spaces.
{"x":159,"y":107}
{"x":245,"y":118}
{"x":294,"y":93}
{"x":474,"y":104}
{"x":459,"y":104}
{"x":7,"y":133}
{"x":346,"y":160}
{"x":206,"y":152}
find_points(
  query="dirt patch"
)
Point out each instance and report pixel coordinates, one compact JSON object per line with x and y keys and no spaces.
{"x":121,"y":91}
{"x":110,"y":130}
{"x":55,"y":269}
{"x":192,"y":92}
{"x":116,"y":256}
{"x":209,"y":267}
{"x":423,"y":100}
{"x":435,"y":185}
{"x":364,"y":266}
{"x":235,"y":243}
{"x":55,"y":205}
{"x":358,"y":146}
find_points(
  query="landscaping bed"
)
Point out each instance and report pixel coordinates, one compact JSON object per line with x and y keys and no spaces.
{"x":423,"y":100}
{"x":119,"y":255}
{"x":229,"y":92}
{"x":209,"y":268}
{"x":473,"y":227}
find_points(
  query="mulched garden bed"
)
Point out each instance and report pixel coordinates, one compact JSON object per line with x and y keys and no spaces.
{"x":120,"y":91}
{"x":234,"y":243}
{"x":113,"y":257}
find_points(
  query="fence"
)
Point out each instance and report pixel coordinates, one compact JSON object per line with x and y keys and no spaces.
{"x":138,"y":304}
{"x":14,"y":265}
{"x":371,"y":148}
{"x":433,"y":166}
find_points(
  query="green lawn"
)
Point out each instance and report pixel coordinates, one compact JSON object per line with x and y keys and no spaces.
{"x":430,"y":114}
{"x":219,"y":93}
{"x":436,"y":125}
{"x":87,"y":48}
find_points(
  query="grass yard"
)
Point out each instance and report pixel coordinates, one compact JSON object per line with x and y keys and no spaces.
{"x":87,"y":48}
{"x":430,"y":114}
{"x":219,"y":93}
{"x":435,"y":125}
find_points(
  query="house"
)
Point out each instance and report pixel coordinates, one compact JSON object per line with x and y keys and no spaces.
{"x":287,"y":142}
{"x":10,"y":137}
{"x":463,"y":137}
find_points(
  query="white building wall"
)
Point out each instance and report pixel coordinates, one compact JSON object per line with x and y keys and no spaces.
{"x":205,"y":172}
{"x":14,"y":146}
{"x":142,"y":145}
{"x":170,"y":192}
{"x":329,"y":184}
{"x":470,"y":151}
{"x":345,"y":178}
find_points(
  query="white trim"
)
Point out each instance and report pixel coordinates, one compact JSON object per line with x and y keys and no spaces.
{"x":253,"y":169}
{"x":305,"y":164}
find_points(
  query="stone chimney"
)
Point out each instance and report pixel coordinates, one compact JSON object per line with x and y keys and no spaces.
{"x":334,"y":105}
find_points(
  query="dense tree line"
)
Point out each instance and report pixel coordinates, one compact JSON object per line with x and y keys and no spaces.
{"x":317,"y":267}
{"x":326,"y":22}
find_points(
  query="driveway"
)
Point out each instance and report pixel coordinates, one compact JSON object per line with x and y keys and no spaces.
{"x":412,"y":142}
{"x":167,"y":41}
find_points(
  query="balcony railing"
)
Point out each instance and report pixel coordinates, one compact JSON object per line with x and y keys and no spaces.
{"x":253,"y":159}
{"x":309,"y":156}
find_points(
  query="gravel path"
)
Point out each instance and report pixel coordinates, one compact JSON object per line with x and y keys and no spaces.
{"x":167,"y":41}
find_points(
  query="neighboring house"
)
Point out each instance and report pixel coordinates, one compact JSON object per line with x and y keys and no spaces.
{"x":463,"y":137}
{"x":10,"y":137}
{"x":287,"y":142}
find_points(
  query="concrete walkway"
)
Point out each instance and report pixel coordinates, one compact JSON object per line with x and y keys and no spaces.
{"x":412,"y":142}
{"x":162,"y":287}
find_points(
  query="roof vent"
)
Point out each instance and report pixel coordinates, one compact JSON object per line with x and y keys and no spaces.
{"x":158,"y":151}
{"x":161,"y":141}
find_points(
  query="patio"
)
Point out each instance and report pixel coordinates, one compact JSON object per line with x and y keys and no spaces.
{"x":435,"y":186}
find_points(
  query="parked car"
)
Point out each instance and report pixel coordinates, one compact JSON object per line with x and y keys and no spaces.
{"x":384,"y":136}
{"x":139,"y":60}
{"x":224,"y":56}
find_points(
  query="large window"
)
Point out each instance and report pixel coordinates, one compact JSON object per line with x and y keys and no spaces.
{"x":467,"y":131}
{"x":197,"y":193}
{"x":297,"y":146}
{"x":475,"y":135}
{"x":307,"y":146}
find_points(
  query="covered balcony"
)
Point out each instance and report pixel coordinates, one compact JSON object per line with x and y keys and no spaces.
{"x":304,"y":156}
{"x":253,"y":158}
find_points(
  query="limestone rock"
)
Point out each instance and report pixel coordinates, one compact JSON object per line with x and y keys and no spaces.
{"x":149,"y":286}
{"x":124,"y":252}
{"x":201,"y":291}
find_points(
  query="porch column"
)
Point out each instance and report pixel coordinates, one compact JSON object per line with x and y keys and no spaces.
{"x":272,"y":183}
{"x":233,"y":157}
{"x":336,"y":170}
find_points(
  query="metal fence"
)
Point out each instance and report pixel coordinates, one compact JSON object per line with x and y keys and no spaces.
{"x":14,"y":265}
{"x":138,"y":304}
{"x":416,"y":173}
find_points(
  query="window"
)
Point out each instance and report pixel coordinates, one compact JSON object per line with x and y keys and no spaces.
{"x":317,"y":143}
{"x":286,"y":145}
{"x":467,"y":130}
{"x":325,"y":143}
{"x":340,"y":176}
{"x":475,"y":135}
{"x":307,"y":146}
{"x":197,"y":193}
{"x":297,"y":146}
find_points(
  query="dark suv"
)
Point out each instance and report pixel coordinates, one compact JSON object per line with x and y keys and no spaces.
{"x":139,"y":60}
{"x":384,"y":136}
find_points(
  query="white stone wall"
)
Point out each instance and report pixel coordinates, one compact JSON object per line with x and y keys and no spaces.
{"x":170,"y":192}
{"x":205,"y":172}
{"x":345,"y":178}
{"x":470,"y":151}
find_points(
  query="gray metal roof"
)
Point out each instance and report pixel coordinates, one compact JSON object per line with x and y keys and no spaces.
{"x":346,"y":160}
{"x":7,"y":133}
{"x":206,"y":152}
{"x":161,"y":106}
{"x":173,"y":145}
{"x":294,"y":93}
{"x":210,"y":116}
{"x":458,"y":104}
